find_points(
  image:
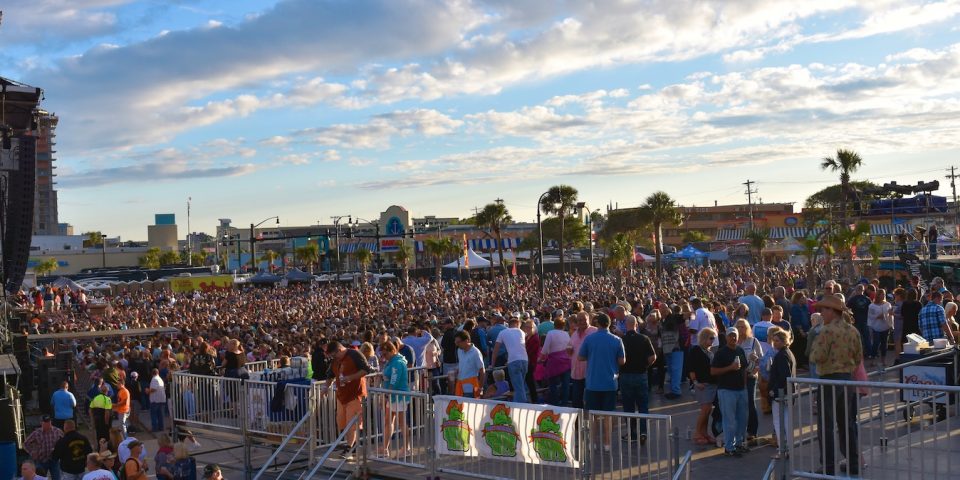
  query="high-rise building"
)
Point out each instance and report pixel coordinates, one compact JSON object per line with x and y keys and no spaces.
{"x":45,"y":218}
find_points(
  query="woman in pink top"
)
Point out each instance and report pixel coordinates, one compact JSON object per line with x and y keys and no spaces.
{"x":555,"y":359}
{"x":578,"y":370}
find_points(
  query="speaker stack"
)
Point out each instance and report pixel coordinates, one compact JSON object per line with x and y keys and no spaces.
{"x":21,"y":187}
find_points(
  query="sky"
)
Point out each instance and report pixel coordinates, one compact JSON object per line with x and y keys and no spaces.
{"x":307,"y":109}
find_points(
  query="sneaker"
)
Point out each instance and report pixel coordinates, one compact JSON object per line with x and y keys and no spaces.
{"x":742,"y":449}
{"x":672,"y":396}
{"x":732,"y":453}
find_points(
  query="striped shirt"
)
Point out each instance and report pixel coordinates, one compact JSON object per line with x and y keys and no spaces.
{"x":40,"y":443}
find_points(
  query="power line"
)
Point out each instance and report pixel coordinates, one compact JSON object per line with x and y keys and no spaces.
{"x":750,"y":191}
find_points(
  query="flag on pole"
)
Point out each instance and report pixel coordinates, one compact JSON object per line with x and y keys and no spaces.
{"x":513,"y":270}
{"x":466,"y":249}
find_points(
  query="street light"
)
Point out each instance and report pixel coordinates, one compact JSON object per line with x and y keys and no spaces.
{"x":543,"y":287}
{"x":230,"y":238}
{"x":375,"y":225}
{"x":253,"y":248}
{"x":103,"y":248}
{"x":336,"y":223}
{"x":581,"y":206}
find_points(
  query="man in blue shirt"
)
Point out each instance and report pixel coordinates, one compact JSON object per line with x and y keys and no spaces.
{"x":753,"y":303}
{"x":933,"y":319}
{"x":492,"y":335}
{"x":63,"y":403}
{"x":604,"y":354}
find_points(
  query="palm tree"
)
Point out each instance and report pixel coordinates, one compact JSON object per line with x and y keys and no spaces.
{"x":46,"y":267}
{"x":658,"y":209}
{"x":439,"y":248}
{"x":619,"y":256}
{"x":269,"y":256}
{"x":403,"y":256}
{"x":758,"y":241}
{"x":845,"y":239}
{"x":559,"y":201}
{"x":876,"y":251}
{"x":364,"y":257}
{"x":495,"y":216}
{"x":307,"y":254}
{"x":94,"y":239}
{"x":846,"y":162}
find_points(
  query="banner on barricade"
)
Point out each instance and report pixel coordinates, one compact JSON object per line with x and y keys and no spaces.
{"x":204,"y":284}
{"x":520,"y":432}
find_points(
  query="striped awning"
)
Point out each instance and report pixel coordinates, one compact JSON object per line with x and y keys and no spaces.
{"x":354,"y":246}
{"x":884,"y":229}
{"x":479,"y":243}
{"x":728,"y":234}
{"x":777,"y":233}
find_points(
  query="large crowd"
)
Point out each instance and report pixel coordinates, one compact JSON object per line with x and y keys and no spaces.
{"x":727,"y":335}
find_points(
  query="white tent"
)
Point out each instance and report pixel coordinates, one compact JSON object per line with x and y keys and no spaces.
{"x":476,"y":261}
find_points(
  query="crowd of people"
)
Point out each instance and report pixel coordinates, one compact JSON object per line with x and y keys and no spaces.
{"x":728,"y":334}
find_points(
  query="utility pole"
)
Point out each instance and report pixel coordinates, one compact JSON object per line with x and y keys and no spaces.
{"x":750,"y":191}
{"x":956,"y":207}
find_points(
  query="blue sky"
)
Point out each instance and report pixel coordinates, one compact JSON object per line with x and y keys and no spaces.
{"x":308,"y":108}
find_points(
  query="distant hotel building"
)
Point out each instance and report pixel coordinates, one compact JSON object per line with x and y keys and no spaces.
{"x":45,"y":217}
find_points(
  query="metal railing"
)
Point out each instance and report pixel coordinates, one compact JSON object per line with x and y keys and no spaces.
{"x":397,"y":428}
{"x":349,"y":453}
{"x":304,"y":422}
{"x":629,"y":445}
{"x":683,"y":471}
{"x":871,"y":429}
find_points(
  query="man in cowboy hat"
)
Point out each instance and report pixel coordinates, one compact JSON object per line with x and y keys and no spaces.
{"x":837,"y":351}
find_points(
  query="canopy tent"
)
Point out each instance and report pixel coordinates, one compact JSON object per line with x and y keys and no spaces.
{"x":297,"y":275}
{"x":787,"y":245}
{"x":64,"y":282}
{"x":263,"y":279}
{"x":690,"y":252}
{"x":642,"y":257}
{"x":476,"y":261}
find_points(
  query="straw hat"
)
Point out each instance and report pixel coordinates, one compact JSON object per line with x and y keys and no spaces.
{"x":832,"y":302}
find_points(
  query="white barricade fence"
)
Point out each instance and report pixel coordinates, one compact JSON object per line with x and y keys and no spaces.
{"x":630,"y":445}
{"x":396,"y":428}
{"x":202,"y":400}
{"x":871,"y":430}
{"x":497,"y":439}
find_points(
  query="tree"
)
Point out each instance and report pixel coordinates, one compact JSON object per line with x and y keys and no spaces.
{"x":364,"y":257}
{"x":846,"y":162}
{"x":439,"y":248}
{"x":573,"y":231}
{"x":876,"y":252}
{"x":559,"y":201}
{"x":151,"y":259}
{"x":620,"y":256}
{"x":169,"y":257}
{"x":269,"y":256}
{"x":307,"y":255}
{"x":198,"y":258}
{"x":695,"y":236}
{"x":46,"y":267}
{"x":403,"y":256}
{"x":495,"y":216}
{"x":658,"y":209}
{"x":94,"y":239}
{"x":846,"y":238}
{"x":758,"y":241}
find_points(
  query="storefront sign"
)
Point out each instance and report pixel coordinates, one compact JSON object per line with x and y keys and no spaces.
{"x":203,"y":284}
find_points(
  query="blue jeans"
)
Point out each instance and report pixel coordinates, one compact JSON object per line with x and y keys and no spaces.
{"x":675,"y":367}
{"x":518,"y":379}
{"x":733,"y":405}
{"x":52,"y":467}
{"x":635,"y":389}
{"x":560,"y":389}
{"x":577,"y":386}
{"x":156,"y":416}
{"x":865,"y":336}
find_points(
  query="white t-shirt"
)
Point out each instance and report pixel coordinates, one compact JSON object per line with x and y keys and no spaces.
{"x":157,"y":393}
{"x":555,"y":341}
{"x":514,"y":341}
{"x":123,"y":450}
{"x":100,"y":474}
{"x":704,"y":319}
{"x":879,"y":318}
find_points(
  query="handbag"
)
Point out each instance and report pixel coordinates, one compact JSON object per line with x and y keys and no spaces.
{"x":540,"y":372}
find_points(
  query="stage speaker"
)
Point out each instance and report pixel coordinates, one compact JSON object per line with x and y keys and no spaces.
{"x":20,"y":346}
{"x":65,"y":360}
{"x":18,"y":212}
{"x":26,"y":380}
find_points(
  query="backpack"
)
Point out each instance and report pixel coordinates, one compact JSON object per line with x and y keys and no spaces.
{"x":123,"y":468}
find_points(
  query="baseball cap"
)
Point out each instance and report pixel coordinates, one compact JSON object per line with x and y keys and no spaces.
{"x":209,"y":470}
{"x":45,"y":418}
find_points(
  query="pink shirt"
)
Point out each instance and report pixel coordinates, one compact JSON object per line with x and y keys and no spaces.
{"x":578,"y":370}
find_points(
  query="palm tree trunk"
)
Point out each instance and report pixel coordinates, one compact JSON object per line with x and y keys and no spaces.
{"x":562,"y":258}
{"x":438,"y":269}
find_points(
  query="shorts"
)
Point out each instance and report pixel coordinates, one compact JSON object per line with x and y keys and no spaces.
{"x":605,"y":401}
{"x":397,"y":407}
{"x":707,"y":395}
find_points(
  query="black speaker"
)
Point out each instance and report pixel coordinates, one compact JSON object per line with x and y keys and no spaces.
{"x":26,"y":381}
{"x":65,"y":360}
{"x":18,"y":222}
{"x":20,"y":346}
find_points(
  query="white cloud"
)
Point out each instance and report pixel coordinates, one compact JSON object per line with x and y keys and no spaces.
{"x":53,"y":21}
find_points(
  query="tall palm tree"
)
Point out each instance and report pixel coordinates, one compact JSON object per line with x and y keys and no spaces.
{"x":46,"y":267}
{"x":307,"y":255}
{"x":439,"y":248}
{"x":846,"y":238}
{"x":619,"y":256}
{"x":269,"y":256}
{"x":364,"y":257}
{"x":403,"y":256}
{"x":657,"y":209}
{"x":495,"y":216}
{"x":758,"y":241}
{"x":846,"y":162}
{"x":559,"y":201}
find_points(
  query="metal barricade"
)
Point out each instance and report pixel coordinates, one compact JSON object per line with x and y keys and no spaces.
{"x":201,"y":401}
{"x":618,"y":449}
{"x":683,"y":471}
{"x":269,"y":415}
{"x":397,"y":428}
{"x":871,"y":429}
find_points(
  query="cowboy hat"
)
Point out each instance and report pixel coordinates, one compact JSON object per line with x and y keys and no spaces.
{"x":832,"y":302}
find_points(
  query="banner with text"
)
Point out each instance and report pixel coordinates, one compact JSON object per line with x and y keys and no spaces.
{"x":203,"y":284}
{"x":520,"y":432}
